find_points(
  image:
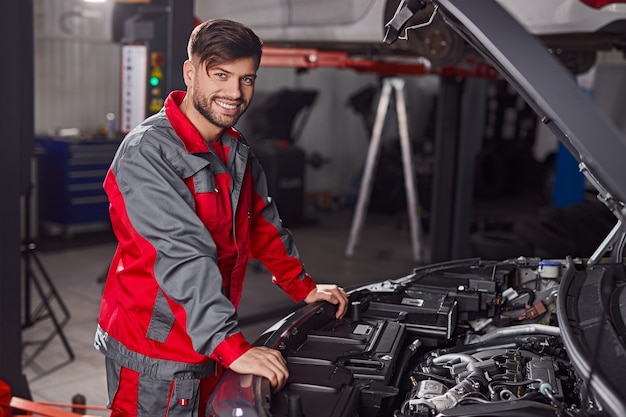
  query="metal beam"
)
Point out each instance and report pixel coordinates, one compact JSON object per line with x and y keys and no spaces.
{"x":16,"y":37}
{"x":181,"y":23}
{"x":445,"y":184}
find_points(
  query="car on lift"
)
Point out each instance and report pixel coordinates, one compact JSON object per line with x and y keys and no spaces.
{"x":517,"y":337}
{"x":572,"y":29}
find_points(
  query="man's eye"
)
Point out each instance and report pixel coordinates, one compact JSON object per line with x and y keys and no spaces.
{"x":220,"y":75}
{"x":247,"y":80}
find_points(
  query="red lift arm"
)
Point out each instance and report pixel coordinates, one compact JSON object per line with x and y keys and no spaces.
{"x":310,"y":58}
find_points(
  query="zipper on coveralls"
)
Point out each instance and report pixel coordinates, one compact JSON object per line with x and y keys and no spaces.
{"x":233,"y":210}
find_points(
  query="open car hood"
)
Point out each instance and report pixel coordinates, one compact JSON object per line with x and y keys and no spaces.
{"x":519,"y":337}
{"x":548,"y":87}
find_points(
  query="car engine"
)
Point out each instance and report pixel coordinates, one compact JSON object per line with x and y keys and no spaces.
{"x":530,"y":373}
{"x":462,"y":338}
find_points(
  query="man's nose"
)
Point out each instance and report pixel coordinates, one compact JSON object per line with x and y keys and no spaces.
{"x":233,"y":89}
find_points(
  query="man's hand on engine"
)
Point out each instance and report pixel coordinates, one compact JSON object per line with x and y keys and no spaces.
{"x":331,"y":293}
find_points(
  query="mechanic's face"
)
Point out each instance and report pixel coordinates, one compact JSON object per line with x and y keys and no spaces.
{"x":224,"y":93}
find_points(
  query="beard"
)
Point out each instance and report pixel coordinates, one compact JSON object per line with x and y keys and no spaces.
{"x":202,"y":104}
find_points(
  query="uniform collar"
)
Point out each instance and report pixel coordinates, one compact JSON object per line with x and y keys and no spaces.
{"x":183,"y":127}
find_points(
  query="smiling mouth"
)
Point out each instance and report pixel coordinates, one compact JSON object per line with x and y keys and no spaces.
{"x":226,"y":106}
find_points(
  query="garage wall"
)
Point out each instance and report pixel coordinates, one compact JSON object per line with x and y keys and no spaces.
{"x":77,"y":84}
{"x":76,"y":65}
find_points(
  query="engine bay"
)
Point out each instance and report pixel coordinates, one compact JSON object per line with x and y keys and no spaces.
{"x":462,"y":338}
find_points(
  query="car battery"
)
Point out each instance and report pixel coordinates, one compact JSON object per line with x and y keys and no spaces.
{"x":367,"y":348}
{"x":428,"y":312}
{"x":284,"y":166}
{"x":344,"y":365}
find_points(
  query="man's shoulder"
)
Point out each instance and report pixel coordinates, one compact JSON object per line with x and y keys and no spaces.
{"x":156,"y":130}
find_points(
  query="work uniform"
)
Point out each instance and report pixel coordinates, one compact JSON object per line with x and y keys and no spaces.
{"x":186,"y":220}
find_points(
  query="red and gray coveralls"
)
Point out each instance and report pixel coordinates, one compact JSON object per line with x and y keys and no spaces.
{"x":187,"y":218}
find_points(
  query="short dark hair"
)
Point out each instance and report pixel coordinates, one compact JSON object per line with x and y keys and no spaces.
{"x":220,"y":40}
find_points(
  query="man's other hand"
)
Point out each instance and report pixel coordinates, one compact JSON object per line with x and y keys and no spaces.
{"x":331,"y":293}
{"x":265,"y":362}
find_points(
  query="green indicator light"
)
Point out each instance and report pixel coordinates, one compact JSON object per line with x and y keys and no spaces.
{"x":154,"y":81}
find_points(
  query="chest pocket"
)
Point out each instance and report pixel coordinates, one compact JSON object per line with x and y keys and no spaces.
{"x":211,"y":200}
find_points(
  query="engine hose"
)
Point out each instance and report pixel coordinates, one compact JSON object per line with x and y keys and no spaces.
{"x":523,"y":329}
{"x":403,"y":362}
{"x":518,"y":408}
{"x":454,"y":357}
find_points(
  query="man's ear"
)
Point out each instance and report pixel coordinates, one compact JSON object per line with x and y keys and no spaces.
{"x":188,"y":72}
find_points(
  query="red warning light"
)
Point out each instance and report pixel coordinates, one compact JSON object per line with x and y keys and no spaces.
{"x":157,"y":59}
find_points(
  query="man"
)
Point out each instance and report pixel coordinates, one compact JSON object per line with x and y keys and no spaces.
{"x":189,"y":206}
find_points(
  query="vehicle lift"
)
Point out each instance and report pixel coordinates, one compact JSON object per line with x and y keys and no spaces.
{"x":448,"y":226}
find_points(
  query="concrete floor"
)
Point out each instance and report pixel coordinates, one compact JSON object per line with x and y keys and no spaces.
{"x":383,"y":251}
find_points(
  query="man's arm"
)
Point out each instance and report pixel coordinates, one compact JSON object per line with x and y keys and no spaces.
{"x":274,"y":246}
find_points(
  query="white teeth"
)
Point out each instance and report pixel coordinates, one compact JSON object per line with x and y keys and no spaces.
{"x":226,"y":106}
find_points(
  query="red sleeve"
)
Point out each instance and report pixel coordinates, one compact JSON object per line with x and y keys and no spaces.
{"x":273,"y":244}
{"x":230,"y":349}
{"x":296,"y":288}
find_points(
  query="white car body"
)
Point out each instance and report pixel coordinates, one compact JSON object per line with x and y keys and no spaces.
{"x":363,"y":20}
{"x":549,"y":17}
{"x":303,"y":20}
{"x":358,"y":26}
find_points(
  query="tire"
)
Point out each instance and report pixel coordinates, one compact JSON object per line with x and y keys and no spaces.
{"x":591,"y":223}
{"x":577,"y":62}
{"x":499,"y":245}
{"x":547,"y":240}
{"x":437,"y":42}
